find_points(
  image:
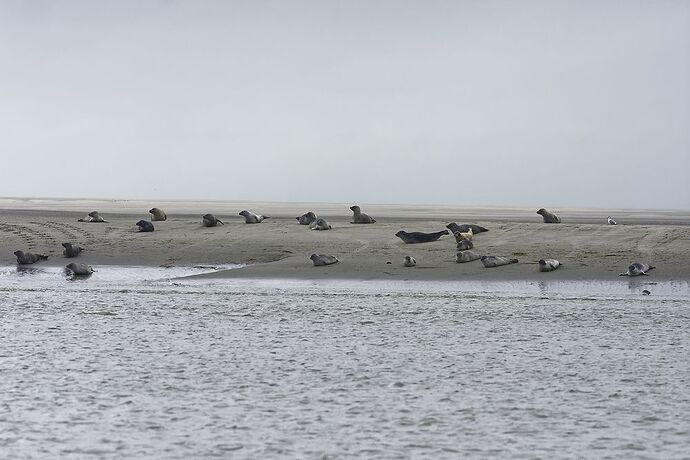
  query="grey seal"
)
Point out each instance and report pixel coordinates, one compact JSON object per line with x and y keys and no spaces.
{"x":145,"y":226}
{"x":467,"y":256}
{"x":307,"y":218}
{"x":497,"y":261}
{"x":320,"y":224}
{"x":321,"y":259}
{"x":251,"y":218}
{"x":419,"y":237}
{"x":410,"y":261}
{"x":79,"y":269}
{"x":157,"y":214}
{"x":464,"y":245}
{"x":610,"y":221}
{"x":548,"y":217}
{"x":548,"y":265}
{"x":209,"y":220}
{"x":94,"y":217}
{"x":455,"y":228}
{"x":71,"y":250}
{"x":358,"y":217}
{"x":637,"y":269}
{"x":27,"y":258}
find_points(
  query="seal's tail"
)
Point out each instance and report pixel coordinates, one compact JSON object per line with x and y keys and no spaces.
{"x":513,"y":261}
{"x":42,"y":257}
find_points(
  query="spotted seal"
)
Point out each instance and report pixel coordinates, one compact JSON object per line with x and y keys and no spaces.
{"x":93,"y":217}
{"x":321,"y":259}
{"x":209,"y":220}
{"x":497,"y":261}
{"x":320,"y":224}
{"x":467,"y":256}
{"x":27,"y":258}
{"x":637,"y":269}
{"x":548,"y":217}
{"x":464,"y":245}
{"x":307,"y":218}
{"x":71,"y":250}
{"x":79,"y":269}
{"x":409,"y":261}
{"x":157,"y":214}
{"x":145,"y":226}
{"x":251,"y":218}
{"x":358,"y":217}
{"x":419,"y":237}
{"x":548,"y":265}
{"x":455,"y":228}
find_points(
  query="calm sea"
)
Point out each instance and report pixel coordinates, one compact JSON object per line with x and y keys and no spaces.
{"x":132,"y":364}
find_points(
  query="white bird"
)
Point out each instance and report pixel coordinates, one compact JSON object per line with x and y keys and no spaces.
{"x":610,"y":220}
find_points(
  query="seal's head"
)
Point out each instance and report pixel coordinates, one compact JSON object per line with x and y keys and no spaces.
{"x":141,"y":223}
{"x":93,"y":214}
{"x":314,"y":256}
{"x":401,"y":233}
{"x":541,"y":211}
{"x":354,"y":208}
{"x":19,"y":253}
{"x":244,"y":213}
{"x":67,"y":245}
{"x":542,"y":262}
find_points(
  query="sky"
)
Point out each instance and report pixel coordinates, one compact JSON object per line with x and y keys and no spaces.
{"x":467,"y":103}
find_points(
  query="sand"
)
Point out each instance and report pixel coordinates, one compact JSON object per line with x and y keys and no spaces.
{"x":280,"y":248}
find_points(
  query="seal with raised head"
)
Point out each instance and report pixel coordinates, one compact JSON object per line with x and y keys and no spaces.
{"x":467,"y":256}
{"x":145,"y":226}
{"x":548,"y":217}
{"x":93,"y":217}
{"x":322,"y":259}
{"x":420,"y":237}
{"x":157,"y":214}
{"x":251,"y":218}
{"x":548,"y":265}
{"x":209,"y":220}
{"x":358,"y":217}
{"x":71,"y":250}
{"x":320,"y":224}
{"x":637,"y":269}
{"x":464,"y":245}
{"x":468,"y":235}
{"x":79,"y":269}
{"x":610,"y":221}
{"x":27,"y":258}
{"x":455,"y":228}
{"x":307,"y":218}
{"x":410,"y":261}
{"x":497,"y":261}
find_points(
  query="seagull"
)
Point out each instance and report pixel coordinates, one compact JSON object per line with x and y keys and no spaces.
{"x":610,"y":220}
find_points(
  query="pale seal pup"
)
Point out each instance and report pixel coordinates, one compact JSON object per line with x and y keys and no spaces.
{"x":209,"y":220}
{"x":307,"y":218}
{"x":637,"y":269}
{"x":467,"y":256}
{"x":93,"y":216}
{"x":610,"y":221}
{"x":359,"y":217}
{"x":157,"y":214}
{"x":320,"y":224}
{"x":497,"y":261}
{"x":79,"y":269}
{"x":548,"y":217}
{"x":321,"y":259}
{"x":251,"y":218}
{"x":71,"y":250}
{"x":455,"y":228}
{"x":548,"y":265}
{"x":459,"y":236}
{"x":464,"y":245}
{"x":410,"y":261}
{"x":145,"y":226}
{"x":419,"y":237}
{"x":27,"y":258}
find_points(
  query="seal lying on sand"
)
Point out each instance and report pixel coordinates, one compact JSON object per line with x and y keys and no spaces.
{"x":468,"y":235}
{"x":79,"y":269}
{"x":497,"y":261}
{"x":157,"y":214}
{"x":410,"y":261}
{"x":419,"y":237}
{"x":209,"y":220}
{"x":455,"y":228}
{"x":610,"y":221}
{"x":359,"y":217}
{"x":145,"y":226}
{"x":548,"y":265}
{"x":637,"y":269}
{"x":93,"y":217}
{"x":71,"y":250}
{"x":251,"y":218}
{"x":307,"y":218}
{"x":27,"y":258}
{"x":548,"y":217}
{"x":464,"y":245}
{"x":321,"y":259}
{"x":467,"y":256}
{"x":320,"y":224}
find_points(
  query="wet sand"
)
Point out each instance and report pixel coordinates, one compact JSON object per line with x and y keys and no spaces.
{"x":280,"y":248}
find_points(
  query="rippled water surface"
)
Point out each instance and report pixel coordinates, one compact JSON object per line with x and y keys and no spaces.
{"x":131,"y":364}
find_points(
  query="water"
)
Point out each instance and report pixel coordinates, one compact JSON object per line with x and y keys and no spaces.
{"x":132,"y":364}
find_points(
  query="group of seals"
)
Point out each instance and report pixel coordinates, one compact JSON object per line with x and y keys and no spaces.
{"x":548,"y":217}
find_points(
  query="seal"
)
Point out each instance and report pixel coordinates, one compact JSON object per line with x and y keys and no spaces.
{"x":71,"y":250}
{"x":610,"y":221}
{"x":419,"y":237}
{"x":464,"y":245}
{"x":637,"y":269}
{"x":548,"y":265}
{"x":467,"y":256}
{"x":27,"y":258}
{"x":251,"y":218}
{"x":410,"y":261}
{"x":459,"y":236}
{"x":455,"y":228}
{"x":548,"y":217}
{"x":79,"y":269}
{"x":157,"y":214}
{"x":320,"y":224}
{"x":145,"y":226}
{"x":307,"y":218}
{"x":359,"y":217}
{"x":321,"y":259}
{"x":646,"y":292}
{"x":209,"y":220}
{"x":94,"y":217}
{"x":497,"y":261}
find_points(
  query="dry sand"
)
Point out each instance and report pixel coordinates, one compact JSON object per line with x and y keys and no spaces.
{"x":280,"y":248}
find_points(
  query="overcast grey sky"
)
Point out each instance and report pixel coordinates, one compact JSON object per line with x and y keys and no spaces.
{"x":576,"y":103}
